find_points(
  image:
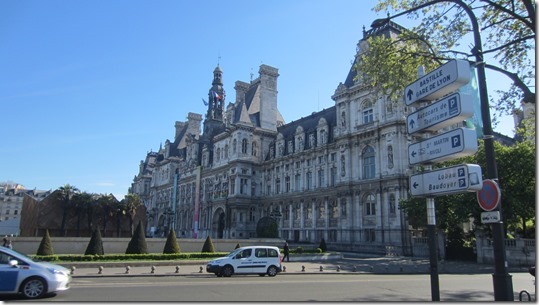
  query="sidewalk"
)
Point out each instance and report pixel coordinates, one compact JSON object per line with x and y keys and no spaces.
{"x":347,"y":265}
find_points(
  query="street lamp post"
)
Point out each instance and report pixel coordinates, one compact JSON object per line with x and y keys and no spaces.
{"x":503,"y":286}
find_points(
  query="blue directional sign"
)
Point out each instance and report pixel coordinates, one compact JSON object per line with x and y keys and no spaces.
{"x":450,"y":110}
{"x":453,"y":144}
{"x":448,"y":180}
{"x":447,"y":78}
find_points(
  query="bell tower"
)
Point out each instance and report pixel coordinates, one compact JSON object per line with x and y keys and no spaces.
{"x":216,"y":101}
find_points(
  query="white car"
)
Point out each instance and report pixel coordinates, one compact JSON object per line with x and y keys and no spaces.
{"x":259,"y":260}
{"x":20,"y":274}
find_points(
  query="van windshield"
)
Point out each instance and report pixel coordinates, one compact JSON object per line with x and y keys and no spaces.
{"x":233,"y":253}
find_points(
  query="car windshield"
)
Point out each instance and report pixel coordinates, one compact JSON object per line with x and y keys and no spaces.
{"x":21,"y":255}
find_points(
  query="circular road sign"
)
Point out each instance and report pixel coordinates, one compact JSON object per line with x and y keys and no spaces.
{"x":489,"y":196}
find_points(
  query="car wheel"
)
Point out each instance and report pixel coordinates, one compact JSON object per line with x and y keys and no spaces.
{"x":33,"y":288}
{"x":272,"y":271}
{"x":227,"y":271}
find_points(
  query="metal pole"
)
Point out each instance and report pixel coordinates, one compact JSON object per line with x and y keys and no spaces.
{"x":433,"y":250}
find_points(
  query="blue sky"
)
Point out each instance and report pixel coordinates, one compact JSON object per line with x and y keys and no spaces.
{"x":87,"y":88}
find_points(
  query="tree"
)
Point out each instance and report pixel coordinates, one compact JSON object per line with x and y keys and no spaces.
{"x":108,"y":205}
{"x":516,"y":169}
{"x":208,"y":246}
{"x":131,"y":202}
{"x":66,"y":193}
{"x":95,"y":246}
{"x":80,"y":202}
{"x":137,"y":244}
{"x":508,"y":34}
{"x":45,"y":246}
{"x":171,"y":246}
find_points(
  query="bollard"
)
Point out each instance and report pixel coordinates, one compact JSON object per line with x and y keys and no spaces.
{"x":73,"y":268}
{"x":321,"y":268}
{"x":177,"y":269}
{"x":338,"y":268}
{"x":354,"y":269}
{"x":100,"y":270}
{"x":200,"y":269}
{"x":127,"y":268}
{"x":153,"y":269}
{"x":302,"y":268}
{"x":284,"y":268}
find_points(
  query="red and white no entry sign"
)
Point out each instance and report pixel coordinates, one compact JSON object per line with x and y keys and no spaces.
{"x":489,"y":196}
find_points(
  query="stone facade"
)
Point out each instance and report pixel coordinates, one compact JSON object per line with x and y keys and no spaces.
{"x":11,"y":202}
{"x":337,"y":174}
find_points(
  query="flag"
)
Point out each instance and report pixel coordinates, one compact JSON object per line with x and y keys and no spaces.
{"x":216,"y":96}
{"x":205,"y":103}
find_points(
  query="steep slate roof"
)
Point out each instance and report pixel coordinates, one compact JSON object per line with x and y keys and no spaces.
{"x":310,"y":123}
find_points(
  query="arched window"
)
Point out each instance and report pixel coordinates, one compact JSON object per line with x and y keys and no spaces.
{"x":244,"y":146}
{"x":226,"y":151}
{"x":218,"y":154}
{"x":369,"y":168}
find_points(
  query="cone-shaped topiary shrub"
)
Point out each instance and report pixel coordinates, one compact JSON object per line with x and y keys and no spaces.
{"x":237,"y":246}
{"x":208,"y":246}
{"x":137,"y":244}
{"x":45,"y":247}
{"x":95,"y":246}
{"x":323,"y":246}
{"x":171,"y":246}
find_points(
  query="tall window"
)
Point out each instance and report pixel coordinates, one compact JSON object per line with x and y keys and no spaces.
{"x":367,"y":113}
{"x":321,"y":180}
{"x":309,"y":183}
{"x":369,"y":168}
{"x":370,"y":205}
{"x":287,"y":184}
{"x":244,"y":146}
{"x":297,"y":183}
{"x":243,"y":186}
{"x":234,"y":146}
{"x":333,"y":176}
{"x":278,"y":186}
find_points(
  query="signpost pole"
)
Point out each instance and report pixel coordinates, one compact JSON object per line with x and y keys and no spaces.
{"x":433,"y":250}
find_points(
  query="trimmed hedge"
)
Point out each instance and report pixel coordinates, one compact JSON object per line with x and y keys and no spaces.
{"x":128,"y":257}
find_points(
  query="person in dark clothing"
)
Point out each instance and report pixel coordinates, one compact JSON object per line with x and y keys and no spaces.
{"x":286,"y":252}
{"x":7,"y":243}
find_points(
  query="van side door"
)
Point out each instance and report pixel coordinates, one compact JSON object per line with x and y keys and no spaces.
{"x":243,"y":261}
{"x":261,"y":260}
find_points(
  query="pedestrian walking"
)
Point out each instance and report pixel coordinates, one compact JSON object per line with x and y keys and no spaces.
{"x":7,"y":243}
{"x":286,"y":252}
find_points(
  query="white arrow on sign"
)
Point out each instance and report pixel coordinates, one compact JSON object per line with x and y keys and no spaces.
{"x":453,"y":144}
{"x":447,"y":78}
{"x":450,"y":110}
{"x":448,"y":180}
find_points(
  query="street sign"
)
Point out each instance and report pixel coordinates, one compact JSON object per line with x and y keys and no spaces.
{"x":448,"y":180}
{"x":453,"y":144}
{"x":489,"y":196}
{"x":490,"y":217}
{"x":439,"y":82}
{"x":450,"y":110}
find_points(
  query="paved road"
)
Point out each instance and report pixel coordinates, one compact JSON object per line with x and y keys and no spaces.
{"x":302,"y":287}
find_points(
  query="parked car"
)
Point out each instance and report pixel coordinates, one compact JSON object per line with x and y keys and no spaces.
{"x":259,"y":260}
{"x":33,"y":279}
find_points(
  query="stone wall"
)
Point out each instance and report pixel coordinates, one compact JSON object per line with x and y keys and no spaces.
{"x":518,"y":251}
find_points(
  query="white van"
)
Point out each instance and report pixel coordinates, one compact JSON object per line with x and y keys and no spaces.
{"x":259,"y":260}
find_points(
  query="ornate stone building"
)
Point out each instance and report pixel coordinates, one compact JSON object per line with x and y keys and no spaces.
{"x":337,"y":174}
